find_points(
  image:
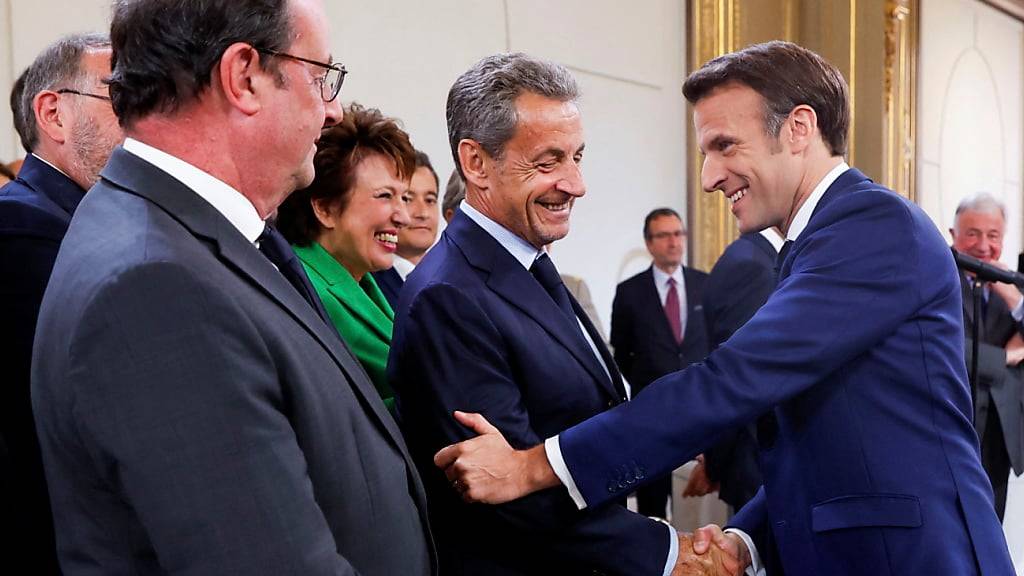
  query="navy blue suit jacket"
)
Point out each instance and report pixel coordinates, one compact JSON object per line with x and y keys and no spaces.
{"x":35,"y":210}
{"x":475,"y":331}
{"x":645,"y":349}
{"x":737,"y":287}
{"x":869,"y":457}
{"x":390,"y":283}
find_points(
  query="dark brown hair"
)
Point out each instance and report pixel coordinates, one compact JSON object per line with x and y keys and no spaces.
{"x":786,"y":76}
{"x":361,"y":133}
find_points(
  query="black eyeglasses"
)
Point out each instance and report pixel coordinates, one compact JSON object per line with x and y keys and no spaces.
{"x":330,"y":83}
{"x":70,"y":91}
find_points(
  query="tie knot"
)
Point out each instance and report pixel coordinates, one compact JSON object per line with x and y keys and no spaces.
{"x":544,"y":271}
{"x":671,"y":282}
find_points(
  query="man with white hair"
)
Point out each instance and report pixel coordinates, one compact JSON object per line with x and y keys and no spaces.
{"x":977,"y":231}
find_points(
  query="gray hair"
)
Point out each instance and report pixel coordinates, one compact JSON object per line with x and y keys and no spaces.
{"x":58,"y":66}
{"x":981,"y":202}
{"x":454,"y":192}
{"x":482,"y":102}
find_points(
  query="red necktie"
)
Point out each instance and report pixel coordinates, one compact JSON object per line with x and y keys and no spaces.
{"x":672,"y":310}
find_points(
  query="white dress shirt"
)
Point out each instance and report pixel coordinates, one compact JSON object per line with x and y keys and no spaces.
{"x":402,"y":266}
{"x":229,"y":202}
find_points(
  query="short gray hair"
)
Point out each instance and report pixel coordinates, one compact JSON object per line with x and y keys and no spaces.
{"x":981,"y":202}
{"x":58,"y":66}
{"x":482,"y":102}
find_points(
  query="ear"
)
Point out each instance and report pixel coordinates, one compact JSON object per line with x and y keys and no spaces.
{"x":474,"y":160}
{"x":803,"y":127}
{"x":49,"y":117}
{"x":324,"y":213}
{"x":242,"y":80}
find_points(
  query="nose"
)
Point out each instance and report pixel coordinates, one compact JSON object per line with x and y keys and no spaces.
{"x":333,"y":112}
{"x":572,"y":182}
{"x":712,"y":176}
{"x":400,"y":214}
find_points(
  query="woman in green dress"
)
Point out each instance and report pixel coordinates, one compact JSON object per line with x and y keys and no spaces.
{"x":345,"y":225}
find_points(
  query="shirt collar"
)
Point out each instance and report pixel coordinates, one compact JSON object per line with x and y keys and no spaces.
{"x":229,"y":202}
{"x":661,"y":277}
{"x":776,"y":239}
{"x":520,"y":249}
{"x":50,"y":164}
{"x":402,"y":266}
{"x":803,"y":215}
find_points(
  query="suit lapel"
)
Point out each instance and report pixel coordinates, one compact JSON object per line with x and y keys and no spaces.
{"x":47,"y":181}
{"x":347,"y":292}
{"x":136,"y":176}
{"x":507,"y":278}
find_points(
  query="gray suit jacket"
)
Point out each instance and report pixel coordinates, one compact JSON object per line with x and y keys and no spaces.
{"x":195,"y":414}
{"x":999,"y":388}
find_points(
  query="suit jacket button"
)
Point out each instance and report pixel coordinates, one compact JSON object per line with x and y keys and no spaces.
{"x":611,"y":403}
{"x":611,"y":488}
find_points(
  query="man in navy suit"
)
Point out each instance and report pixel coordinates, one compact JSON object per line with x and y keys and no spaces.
{"x":63,"y":116}
{"x":484,"y":323}
{"x":658,"y":324}
{"x":853,"y":369}
{"x":738,"y":285}
{"x":419,"y":235}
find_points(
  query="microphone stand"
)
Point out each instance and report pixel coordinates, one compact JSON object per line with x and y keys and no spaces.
{"x":976,"y":288}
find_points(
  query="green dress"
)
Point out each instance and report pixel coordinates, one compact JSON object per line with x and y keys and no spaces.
{"x":359,"y":311}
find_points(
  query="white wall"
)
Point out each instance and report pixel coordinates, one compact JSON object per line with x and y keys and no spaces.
{"x":403,"y":55}
{"x":969,"y":138}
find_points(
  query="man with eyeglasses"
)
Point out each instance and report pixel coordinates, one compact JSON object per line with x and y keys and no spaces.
{"x":196,"y":413}
{"x":68,"y":138}
{"x":658,"y":325}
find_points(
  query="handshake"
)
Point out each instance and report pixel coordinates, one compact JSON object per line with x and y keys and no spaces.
{"x":710,"y":552}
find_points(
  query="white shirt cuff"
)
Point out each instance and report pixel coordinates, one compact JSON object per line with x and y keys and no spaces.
{"x":1018,"y":311}
{"x":673,"y":548}
{"x":755,"y":568}
{"x":554,"y":454}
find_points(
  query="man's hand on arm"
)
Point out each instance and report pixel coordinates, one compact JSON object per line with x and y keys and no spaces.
{"x":699,"y":484}
{"x":487,"y":469}
{"x":1008,"y":292}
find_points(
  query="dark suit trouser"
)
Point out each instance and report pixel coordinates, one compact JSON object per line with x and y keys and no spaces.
{"x":652,"y":498}
{"x":996,"y":459}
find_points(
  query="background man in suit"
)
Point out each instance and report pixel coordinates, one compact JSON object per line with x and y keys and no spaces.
{"x":658,"y":324}
{"x":978,"y":231}
{"x":853,"y":368}
{"x":196,"y":414}
{"x":739,"y":284}
{"x":416,"y":238}
{"x":454,"y":193}
{"x":485,"y":323}
{"x":62,"y":114}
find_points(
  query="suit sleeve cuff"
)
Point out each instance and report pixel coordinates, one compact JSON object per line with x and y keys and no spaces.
{"x":554,"y":454}
{"x":673,"y":549}
{"x":755,"y":568}
{"x":1018,"y":311}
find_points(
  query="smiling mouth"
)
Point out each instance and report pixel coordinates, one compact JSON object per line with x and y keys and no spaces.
{"x":388,"y":239}
{"x":737,"y":195}
{"x":560,"y":207}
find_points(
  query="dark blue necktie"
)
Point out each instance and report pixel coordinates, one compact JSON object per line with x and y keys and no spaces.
{"x":783,"y":252}
{"x":544,"y":271}
{"x":276,"y":249}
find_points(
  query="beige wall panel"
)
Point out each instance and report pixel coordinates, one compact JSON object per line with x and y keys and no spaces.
{"x":947,"y":30}
{"x":403,"y":56}
{"x":39,"y":22}
{"x":9,"y":147}
{"x":1001,"y":40}
{"x":621,"y":39}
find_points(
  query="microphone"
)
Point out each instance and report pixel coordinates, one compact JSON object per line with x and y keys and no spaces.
{"x":987,"y":272}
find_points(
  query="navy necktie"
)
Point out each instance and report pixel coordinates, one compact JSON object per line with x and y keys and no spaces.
{"x":544,"y":271}
{"x":276,"y":249}
{"x":783,"y":252}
